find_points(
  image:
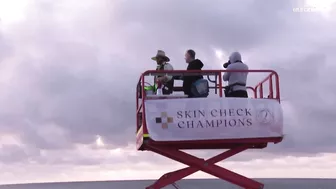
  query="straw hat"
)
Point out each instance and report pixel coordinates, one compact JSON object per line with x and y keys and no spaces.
{"x":161,"y":53}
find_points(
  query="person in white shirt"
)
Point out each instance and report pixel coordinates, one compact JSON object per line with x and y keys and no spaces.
{"x":166,"y":80}
{"x":236,"y":80}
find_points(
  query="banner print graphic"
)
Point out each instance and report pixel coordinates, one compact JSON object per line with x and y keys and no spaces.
{"x":213,"y":118}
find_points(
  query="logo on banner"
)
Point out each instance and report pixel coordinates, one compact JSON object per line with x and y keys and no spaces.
{"x":265,"y":116}
{"x":164,"y":120}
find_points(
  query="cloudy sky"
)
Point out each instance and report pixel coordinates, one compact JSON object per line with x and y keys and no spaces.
{"x":68,"y":70}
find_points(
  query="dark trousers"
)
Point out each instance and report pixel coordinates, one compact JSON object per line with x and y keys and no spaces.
{"x":167,"y":90}
{"x":192,"y":96}
{"x":239,"y":94}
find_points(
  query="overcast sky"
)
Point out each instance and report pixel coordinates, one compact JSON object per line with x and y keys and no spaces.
{"x":68,"y":71}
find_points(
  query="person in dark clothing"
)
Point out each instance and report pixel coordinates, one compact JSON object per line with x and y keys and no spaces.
{"x":193,"y":64}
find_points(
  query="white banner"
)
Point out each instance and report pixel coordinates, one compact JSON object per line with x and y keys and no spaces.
{"x":213,"y":118}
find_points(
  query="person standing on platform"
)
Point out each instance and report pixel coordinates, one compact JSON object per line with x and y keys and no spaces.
{"x":165,"y":81}
{"x":193,"y":64}
{"x":236,"y":80}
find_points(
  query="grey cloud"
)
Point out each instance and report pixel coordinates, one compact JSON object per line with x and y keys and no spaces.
{"x":227,"y":22}
{"x":68,"y":87}
{"x":79,"y":74}
{"x":5,"y":48}
{"x":15,"y":154}
{"x":224,"y":24}
{"x":306,"y":86}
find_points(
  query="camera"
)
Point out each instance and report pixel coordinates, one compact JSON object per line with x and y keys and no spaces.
{"x":225,"y":65}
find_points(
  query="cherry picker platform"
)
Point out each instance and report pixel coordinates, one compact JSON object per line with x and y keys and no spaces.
{"x":168,"y":124}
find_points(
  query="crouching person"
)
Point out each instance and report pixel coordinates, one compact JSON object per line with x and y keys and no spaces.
{"x":236,"y":80}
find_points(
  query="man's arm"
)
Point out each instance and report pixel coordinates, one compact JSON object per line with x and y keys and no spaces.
{"x":226,"y":75}
{"x":168,"y":67}
{"x":167,"y":77}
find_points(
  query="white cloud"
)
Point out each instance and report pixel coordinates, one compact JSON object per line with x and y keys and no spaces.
{"x":298,"y":167}
{"x":68,"y":74}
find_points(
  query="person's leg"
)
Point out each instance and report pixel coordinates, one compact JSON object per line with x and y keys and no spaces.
{"x":238,"y":94}
{"x":233,"y":94}
{"x":245,"y":95}
{"x":167,"y":91}
{"x":191,"y":96}
{"x":229,"y":94}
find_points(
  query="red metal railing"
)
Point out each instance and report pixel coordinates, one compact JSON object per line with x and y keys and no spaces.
{"x":269,"y":79}
{"x":258,"y":90}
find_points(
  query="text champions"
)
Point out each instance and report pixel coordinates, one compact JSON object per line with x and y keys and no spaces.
{"x":193,"y":119}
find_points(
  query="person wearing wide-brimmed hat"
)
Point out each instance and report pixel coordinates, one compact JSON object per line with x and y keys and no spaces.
{"x":167,"y":81}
